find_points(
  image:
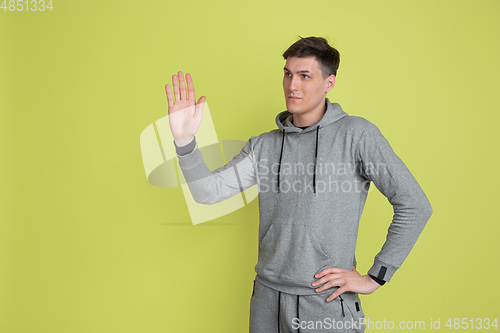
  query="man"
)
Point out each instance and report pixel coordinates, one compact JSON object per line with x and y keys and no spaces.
{"x":313,"y":174}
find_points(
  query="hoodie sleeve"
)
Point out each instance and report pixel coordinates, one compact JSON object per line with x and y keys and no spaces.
{"x":210,"y":187}
{"x":411,"y":207}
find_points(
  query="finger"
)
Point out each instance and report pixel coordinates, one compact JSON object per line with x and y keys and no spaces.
{"x":201,"y":100}
{"x":189,"y":80}
{"x":199,"y":107}
{"x":182,"y":85}
{"x":328,"y":270}
{"x":336,"y":293}
{"x":175,"y":83}
{"x":324,"y":279}
{"x":169,"y":96}
{"x":323,"y":272}
{"x":338,"y":282}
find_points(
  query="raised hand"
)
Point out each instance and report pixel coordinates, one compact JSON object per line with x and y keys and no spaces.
{"x":184,"y":115}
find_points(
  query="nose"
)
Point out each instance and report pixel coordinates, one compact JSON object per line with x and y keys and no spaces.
{"x":293,"y":84}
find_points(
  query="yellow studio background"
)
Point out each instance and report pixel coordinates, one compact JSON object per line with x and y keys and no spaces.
{"x":88,"y":245}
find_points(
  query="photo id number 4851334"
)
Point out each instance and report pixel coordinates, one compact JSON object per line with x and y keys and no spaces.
{"x":26,"y":5}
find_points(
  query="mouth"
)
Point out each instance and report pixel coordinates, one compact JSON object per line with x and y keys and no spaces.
{"x":293,"y":98}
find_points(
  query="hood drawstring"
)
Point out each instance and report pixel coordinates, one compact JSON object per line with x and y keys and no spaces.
{"x":281,"y":155}
{"x":315,"y":159}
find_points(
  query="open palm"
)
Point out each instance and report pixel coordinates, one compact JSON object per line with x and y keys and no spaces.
{"x":183,"y":114}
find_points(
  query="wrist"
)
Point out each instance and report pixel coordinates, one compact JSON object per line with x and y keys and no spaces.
{"x":376,"y":280}
{"x":181,"y":142}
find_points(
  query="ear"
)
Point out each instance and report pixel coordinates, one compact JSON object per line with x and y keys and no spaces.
{"x":330,"y":82}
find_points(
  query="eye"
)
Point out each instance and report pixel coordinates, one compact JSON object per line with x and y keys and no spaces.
{"x":287,"y":74}
{"x":305,"y":76}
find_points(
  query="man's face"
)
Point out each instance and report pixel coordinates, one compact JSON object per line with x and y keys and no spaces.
{"x":304,"y":87}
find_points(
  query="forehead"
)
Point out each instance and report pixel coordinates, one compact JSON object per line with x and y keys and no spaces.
{"x":296,"y":64}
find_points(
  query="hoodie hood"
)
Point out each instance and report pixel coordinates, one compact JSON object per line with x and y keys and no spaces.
{"x":284,"y":121}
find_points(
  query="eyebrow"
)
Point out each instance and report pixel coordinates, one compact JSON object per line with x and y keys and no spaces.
{"x":302,"y":71}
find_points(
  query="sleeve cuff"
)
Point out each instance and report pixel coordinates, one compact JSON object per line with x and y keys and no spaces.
{"x":184,"y":150}
{"x":382,"y":271}
{"x":376,"y":279}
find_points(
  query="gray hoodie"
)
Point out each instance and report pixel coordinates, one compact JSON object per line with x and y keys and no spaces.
{"x":313,"y":185}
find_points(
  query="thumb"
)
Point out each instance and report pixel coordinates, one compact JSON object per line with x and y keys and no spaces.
{"x":201,"y":100}
{"x":199,"y":107}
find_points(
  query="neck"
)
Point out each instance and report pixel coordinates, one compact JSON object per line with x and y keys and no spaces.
{"x":310,"y":117}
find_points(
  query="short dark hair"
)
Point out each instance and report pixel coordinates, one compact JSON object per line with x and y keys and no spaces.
{"x":327,"y":56}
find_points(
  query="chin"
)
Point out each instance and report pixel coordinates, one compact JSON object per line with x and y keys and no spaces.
{"x":294,"y":109}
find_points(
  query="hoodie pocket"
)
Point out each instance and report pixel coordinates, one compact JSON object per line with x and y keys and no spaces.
{"x":316,"y":243}
{"x":290,"y":253}
{"x":267,"y":235}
